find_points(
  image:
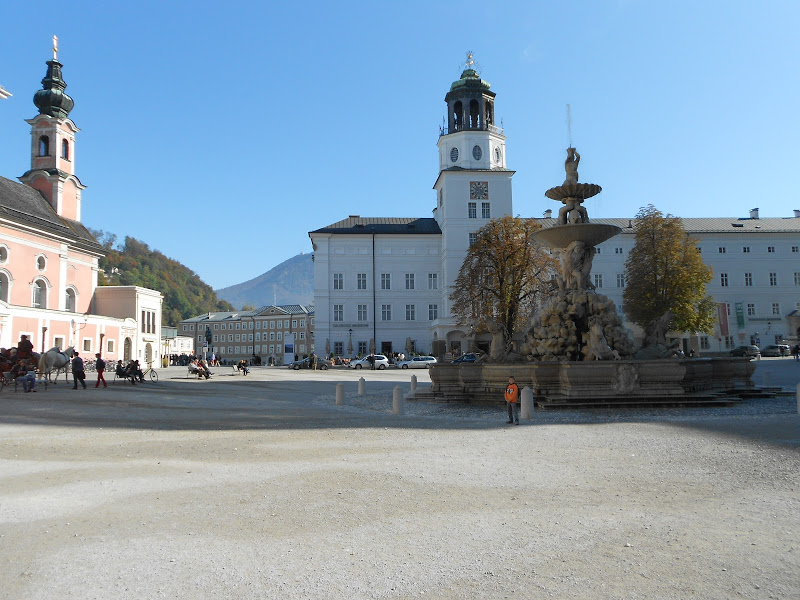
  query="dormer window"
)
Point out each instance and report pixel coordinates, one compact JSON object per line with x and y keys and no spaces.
{"x":44,"y":146}
{"x":65,"y":149}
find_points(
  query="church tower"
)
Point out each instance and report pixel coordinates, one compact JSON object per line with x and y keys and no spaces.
{"x":52,"y":169}
{"x":474,"y":185}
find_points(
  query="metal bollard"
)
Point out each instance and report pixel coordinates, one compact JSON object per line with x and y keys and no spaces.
{"x":526,"y":408}
{"x":361,"y":383}
{"x":339,"y":394}
{"x":397,"y":401}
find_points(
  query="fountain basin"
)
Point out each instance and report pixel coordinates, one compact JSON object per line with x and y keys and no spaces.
{"x":594,"y":384}
{"x":580,"y":191}
{"x":561,"y":236}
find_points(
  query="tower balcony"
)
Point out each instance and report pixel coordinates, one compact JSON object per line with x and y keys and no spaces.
{"x":482,"y":127}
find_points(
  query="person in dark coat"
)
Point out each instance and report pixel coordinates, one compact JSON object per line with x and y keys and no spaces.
{"x":78,"y":372}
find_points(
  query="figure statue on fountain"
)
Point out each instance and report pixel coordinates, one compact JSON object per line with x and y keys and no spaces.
{"x":572,"y":211}
{"x":571,"y":166}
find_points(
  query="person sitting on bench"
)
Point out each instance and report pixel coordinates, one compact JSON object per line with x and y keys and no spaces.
{"x":242,"y":366}
{"x":122,"y":373}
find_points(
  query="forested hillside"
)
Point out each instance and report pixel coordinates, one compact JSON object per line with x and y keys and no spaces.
{"x":134,"y":263}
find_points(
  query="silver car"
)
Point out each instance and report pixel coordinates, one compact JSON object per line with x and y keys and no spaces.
{"x":381,"y":362}
{"x":417,"y":362}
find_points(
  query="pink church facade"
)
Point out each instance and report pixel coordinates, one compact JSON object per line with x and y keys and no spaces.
{"x":49,"y":260}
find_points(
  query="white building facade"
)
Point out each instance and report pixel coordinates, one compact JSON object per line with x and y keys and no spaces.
{"x":382,"y":284}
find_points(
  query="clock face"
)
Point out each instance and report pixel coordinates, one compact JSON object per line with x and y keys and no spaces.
{"x":477,"y":152}
{"x":454,"y":154}
{"x":478,"y":190}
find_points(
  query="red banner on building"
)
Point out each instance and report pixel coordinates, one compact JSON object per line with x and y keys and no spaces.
{"x":722,"y":318}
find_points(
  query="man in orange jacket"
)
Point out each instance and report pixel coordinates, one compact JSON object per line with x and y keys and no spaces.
{"x":512,"y":401}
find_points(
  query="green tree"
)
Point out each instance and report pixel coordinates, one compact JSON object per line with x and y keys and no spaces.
{"x":503,"y":279}
{"x":665,"y":271}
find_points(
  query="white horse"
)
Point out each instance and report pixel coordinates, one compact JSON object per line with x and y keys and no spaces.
{"x":55,"y":360}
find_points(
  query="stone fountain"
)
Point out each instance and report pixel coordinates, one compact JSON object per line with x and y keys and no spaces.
{"x":578,"y":324}
{"x":578,"y":353}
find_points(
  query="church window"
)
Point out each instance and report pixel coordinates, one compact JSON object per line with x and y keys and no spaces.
{"x":486,"y":212}
{"x":362,"y":281}
{"x":454,"y":155}
{"x":386,"y":281}
{"x":362,"y":312}
{"x":472,"y":210}
{"x":490,"y":120}
{"x":338,"y":281}
{"x":41,"y":263}
{"x":409,"y":281}
{"x":723,"y":279}
{"x":65,"y":149}
{"x":410,"y":312}
{"x":3,"y":254}
{"x":598,"y":280}
{"x":433,"y":281}
{"x":338,"y":313}
{"x":44,"y":146}
{"x":69,"y":301}
{"x":39,"y":294}
{"x":4,"y":286}
{"x":386,"y":312}
{"x":477,"y":153}
{"x":473,"y":237}
{"x":620,"y":280}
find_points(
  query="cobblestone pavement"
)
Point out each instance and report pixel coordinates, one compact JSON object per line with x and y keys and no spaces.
{"x":260,"y":487}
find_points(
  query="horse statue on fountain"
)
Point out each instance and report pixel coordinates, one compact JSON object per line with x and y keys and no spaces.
{"x":54,"y":360}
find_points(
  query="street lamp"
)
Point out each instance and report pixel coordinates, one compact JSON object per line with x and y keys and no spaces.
{"x":350,"y":342}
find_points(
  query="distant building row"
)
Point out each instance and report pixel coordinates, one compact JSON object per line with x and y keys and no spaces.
{"x":270,"y":332}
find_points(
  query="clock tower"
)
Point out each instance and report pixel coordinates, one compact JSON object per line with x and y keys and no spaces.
{"x":474,"y":185}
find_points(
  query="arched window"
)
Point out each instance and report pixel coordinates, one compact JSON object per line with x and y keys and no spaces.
{"x":70,"y":300}
{"x":65,"y":149}
{"x":489,"y":113}
{"x":39,"y":294}
{"x":44,"y":146}
{"x":474,"y":113}
{"x":4,"y":287}
{"x":3,"y":254}
{"x":457,"y":109}
{"x":41,"y":262}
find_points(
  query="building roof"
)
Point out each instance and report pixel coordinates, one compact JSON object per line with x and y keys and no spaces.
{"x":711,"y":224}
{"x":355,"y":224}
{"x":23,"y":205}
{"x":218,"y":317}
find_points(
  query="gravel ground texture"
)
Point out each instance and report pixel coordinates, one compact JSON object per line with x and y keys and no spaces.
{"x":261,"y":487}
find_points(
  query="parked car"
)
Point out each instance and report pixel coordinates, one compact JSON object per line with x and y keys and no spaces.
{"x":468,"y":357}
{"x":746,"y":351}
{"x":416,"y":362}
{"x":776,"y":350}
{"x":381,"y":362}
{"x":322,"y":364}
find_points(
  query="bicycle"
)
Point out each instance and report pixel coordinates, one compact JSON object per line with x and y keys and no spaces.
{"x":152,"y":373}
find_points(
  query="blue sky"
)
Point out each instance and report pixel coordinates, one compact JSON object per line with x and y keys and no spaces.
{"x":221,"y":133}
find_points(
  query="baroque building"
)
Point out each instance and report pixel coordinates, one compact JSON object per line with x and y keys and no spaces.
{"x":382,"y":284}
{"x":49,"y":259}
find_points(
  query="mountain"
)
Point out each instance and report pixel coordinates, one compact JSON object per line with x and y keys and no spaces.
{"x":291,"y":282}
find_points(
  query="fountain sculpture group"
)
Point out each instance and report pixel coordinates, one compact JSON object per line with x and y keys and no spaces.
{"x":577,"y":351}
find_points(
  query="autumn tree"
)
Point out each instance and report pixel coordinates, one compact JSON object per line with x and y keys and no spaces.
{"x":504,"y":277}
{"x":665,"y":271}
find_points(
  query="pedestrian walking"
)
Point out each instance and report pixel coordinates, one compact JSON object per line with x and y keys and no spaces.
{"x":512,"y":401}
{"x":78,"y":372}
{"x":100,"y":365}
{"x":796,"y":352}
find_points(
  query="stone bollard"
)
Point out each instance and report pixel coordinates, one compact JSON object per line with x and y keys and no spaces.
{"x":361,"y":383}
{"x":413,"y":385}
{"x":798,"y":398}
{"x":339,"y":394}
{"x":526,"y":408}
{"x":397,"y":401}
